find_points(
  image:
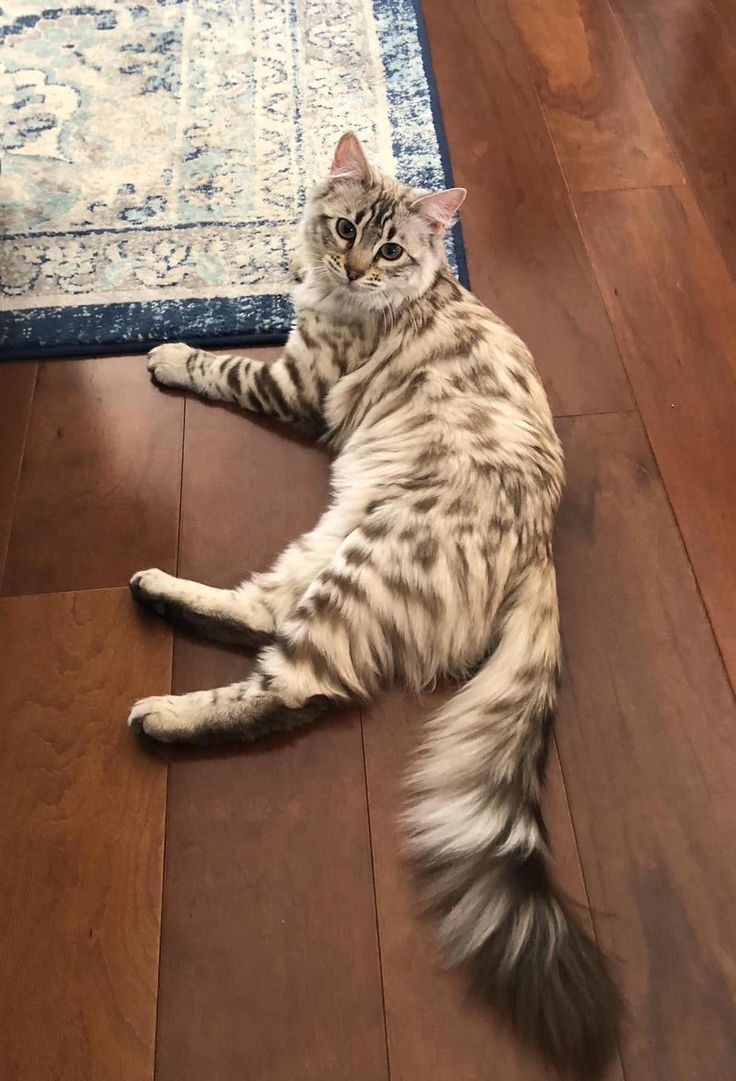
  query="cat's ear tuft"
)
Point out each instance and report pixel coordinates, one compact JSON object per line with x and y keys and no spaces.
{"x":440,"y":208}
{"x":349,"y":162}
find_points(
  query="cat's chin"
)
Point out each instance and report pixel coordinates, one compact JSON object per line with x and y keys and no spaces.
{"x":355,"y":296}
{"x":373,"y":299}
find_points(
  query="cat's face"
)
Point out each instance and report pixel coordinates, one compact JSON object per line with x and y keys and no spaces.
{"x":372,"y":241}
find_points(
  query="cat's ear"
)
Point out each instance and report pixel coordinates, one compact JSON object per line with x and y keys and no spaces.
{"x":440,"y":208}
{"x":349,"y":162}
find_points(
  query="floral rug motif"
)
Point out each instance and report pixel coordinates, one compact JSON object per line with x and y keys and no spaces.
{"x":156,"y":153}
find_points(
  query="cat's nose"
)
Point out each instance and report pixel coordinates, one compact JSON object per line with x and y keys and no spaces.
{"x":353,"y":273}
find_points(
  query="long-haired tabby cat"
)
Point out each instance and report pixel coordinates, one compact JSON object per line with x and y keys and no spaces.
{"x":434,"y":559}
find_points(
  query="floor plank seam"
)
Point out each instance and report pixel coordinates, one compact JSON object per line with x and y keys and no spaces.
{"x":684,"y":183}
{"x":161,"y":903}
{"x":601,"y":294}
{"x":689,"y":184}
{"x":181,"y":487}
{"x":686,"y":550}
{"x":583,"y":877}
{"x":597,"y":413}
{"x":568,"y":190}
{"x":651,"y":446}
{"x":632,"y":53}
{"x":375,"y":892}
{"x":168,"y":762}
{"x":61,"y":592}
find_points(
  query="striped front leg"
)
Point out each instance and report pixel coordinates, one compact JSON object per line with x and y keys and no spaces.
{"x":278,"y":389}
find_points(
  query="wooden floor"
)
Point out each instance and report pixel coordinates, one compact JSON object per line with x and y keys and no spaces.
{"x":243,"y":915}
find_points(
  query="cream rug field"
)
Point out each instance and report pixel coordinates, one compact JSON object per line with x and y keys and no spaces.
{"x":156,"y":153}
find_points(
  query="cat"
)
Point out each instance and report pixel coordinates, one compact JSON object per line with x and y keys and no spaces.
{"x":434,"y":559}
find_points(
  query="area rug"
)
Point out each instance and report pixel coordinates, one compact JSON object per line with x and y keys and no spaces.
{"x":156,"y":154}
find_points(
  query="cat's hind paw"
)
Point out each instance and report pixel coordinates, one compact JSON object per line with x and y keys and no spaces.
{"x":173,"y":717}
{"x":155,"y":717}
{"x":150,"y":588}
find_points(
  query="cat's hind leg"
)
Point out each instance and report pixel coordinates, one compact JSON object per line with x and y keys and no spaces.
{"x":242,"y":711}
{"x":249,"y":614}
{"x":356,"y":627}
{"x":285,"y":692}
{"x":333,"y":647}
{"x":236,"y":616}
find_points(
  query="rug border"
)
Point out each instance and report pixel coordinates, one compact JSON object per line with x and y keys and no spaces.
{"x":107,"y":349}
{"x":88,"y":315}
{"x":271,"y":305}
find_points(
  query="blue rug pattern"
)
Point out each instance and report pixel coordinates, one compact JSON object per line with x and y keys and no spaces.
{"x":156,"y":153}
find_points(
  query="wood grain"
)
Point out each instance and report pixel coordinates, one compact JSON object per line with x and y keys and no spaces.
{"x":525,"y":255}
{"x":99,"y":490}
{"x":606,"y":133}
{"x":17,"y":380}
{"x":687,"y":60}
{"x":434,"y":1031}
{"x":646,"y":737}
{"x":269,"y":964}
{"x":81,"y":838}
{"x":727,"y":11}
{"x":673,"y":306}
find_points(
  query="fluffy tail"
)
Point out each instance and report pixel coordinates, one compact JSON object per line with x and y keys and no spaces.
{"x":477,"y":835}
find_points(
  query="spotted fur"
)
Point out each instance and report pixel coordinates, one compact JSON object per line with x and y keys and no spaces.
{"x":433,"y":560}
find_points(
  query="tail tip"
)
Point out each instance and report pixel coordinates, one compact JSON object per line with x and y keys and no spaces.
{"x":566,"y":1005}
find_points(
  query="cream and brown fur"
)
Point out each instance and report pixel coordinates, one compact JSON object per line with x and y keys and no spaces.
{"x":433,"y":560}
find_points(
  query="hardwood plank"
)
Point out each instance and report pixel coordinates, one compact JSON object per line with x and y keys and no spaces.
{"x":525,"y":255}
{"x":673,"y":306}
{"x":727,"y":11}
{"x":99,"y":489}
{"x":17,"y":380}
{"x":434,"y":1031}
{"x":272,"y":484}
{"x":606,"y":133}
{"x":688,"y":62}
{"x":646,"y":738}
{"x":269,"y":963}
{"x":81,"y":838}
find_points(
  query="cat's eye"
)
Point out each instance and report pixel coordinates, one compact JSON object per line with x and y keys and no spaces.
{"x":390,"y":251}
{"x":345,"y":229}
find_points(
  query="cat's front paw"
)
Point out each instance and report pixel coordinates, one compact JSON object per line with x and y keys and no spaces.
{"x":169,"y":364}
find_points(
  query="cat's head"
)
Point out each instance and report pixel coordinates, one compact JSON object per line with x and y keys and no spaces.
{"x":369,"y":239}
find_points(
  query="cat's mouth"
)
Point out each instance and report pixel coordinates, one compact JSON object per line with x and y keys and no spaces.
{"x":353,"y":287}
{"x":355,"y":290}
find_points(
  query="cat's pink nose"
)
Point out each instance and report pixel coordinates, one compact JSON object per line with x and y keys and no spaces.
{"x":353,"y":273}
